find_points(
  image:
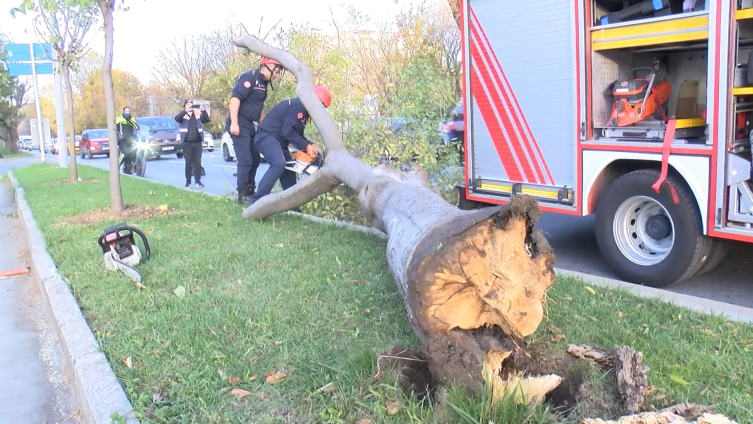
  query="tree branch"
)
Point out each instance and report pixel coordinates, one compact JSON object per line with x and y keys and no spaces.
{"x":303,"y":192}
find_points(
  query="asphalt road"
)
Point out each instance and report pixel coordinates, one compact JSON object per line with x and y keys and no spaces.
{"x":572,"y":238}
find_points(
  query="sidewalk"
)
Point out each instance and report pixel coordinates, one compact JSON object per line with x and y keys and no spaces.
{"x":32,"y":386}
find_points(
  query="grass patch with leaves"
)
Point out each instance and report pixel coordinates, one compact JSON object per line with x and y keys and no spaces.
{"x":282,"y":320}
{"x":8,"y":155}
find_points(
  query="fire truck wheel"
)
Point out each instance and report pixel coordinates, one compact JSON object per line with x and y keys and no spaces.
{"x":651,"y":238}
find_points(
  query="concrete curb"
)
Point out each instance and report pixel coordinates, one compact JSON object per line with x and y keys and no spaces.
{"x":699,"y":304}
{"x":96,"y":389}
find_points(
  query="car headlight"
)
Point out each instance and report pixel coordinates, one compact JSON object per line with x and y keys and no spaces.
{"x":142,"y":145}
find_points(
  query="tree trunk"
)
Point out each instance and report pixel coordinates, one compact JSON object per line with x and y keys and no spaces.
{"x":13,"y":137}
{"x":116,"y":195}
{"x":71,"y":122}
{"x":473,"y":282}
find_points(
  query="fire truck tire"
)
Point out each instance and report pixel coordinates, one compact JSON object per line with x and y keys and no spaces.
{"x":651,"y":238}
{"x":718,"y":252}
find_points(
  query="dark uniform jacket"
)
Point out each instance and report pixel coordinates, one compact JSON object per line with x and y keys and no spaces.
{"x":251,"y":90}
{"x":286,"y":121}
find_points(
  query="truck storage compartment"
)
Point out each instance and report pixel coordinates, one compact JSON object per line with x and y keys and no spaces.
{"x":609,"y":12}
{"x":635,"y":92}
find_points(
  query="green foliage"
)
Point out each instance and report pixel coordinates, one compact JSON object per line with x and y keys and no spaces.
{"x":11,"y":93}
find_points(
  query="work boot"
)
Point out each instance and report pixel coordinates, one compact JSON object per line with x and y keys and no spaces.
{"x":243,"y":196}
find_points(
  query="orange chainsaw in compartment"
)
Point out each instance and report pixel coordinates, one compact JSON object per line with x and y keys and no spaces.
{"x":638,"y":99}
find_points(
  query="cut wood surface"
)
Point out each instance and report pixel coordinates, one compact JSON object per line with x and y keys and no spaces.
{"x":598,"y":355}
{"x":684,"y":413}
{"x":461,"y":274}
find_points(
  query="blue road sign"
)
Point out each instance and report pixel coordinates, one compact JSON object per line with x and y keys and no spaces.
{"x":24,"y":69}
{"x":22,"y":53}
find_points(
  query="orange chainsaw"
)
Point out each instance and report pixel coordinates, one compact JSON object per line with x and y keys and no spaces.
{"x":303,"y":164}
{"x":638,"y":99}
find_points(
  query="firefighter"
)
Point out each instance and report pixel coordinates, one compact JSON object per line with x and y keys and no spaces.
{"x":246,"y":104}
{"x":125,"y":125}
{"x":282,"y":126}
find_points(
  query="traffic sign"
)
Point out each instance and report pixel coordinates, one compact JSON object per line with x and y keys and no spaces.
{"x":21,"y":69}
{"x":22,"y":53}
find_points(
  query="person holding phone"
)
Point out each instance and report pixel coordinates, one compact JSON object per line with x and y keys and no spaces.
{"x":192,"y":120}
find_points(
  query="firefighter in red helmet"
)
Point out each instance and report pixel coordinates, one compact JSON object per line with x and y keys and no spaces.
{"x":246,"y":105}
{"x":283,"y":126}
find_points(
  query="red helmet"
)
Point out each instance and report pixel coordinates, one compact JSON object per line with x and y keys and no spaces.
{"x":268,"y":61}
{"x":323,"y":94}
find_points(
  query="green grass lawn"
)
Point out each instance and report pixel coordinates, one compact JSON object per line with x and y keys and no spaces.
{"x":8,"y":155}
{"x":316,"y":303}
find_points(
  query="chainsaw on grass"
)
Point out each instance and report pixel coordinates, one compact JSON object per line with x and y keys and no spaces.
{"x":120,"y":251}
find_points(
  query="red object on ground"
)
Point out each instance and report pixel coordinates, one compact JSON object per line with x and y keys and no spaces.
{"x":13,"y":272}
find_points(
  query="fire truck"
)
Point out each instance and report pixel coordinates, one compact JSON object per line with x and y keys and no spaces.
{"x":637,"y":111}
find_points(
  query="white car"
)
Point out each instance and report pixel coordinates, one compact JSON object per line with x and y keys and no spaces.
{"x":208,"y":142}
{"x":228,"y":152}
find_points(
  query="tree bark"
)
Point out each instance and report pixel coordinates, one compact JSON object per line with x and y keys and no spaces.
{"x":71,"y":122}
{"x":685,"y":413}
{"x":473,"y":282}
{"x":13,"y":137}
{"x":116,"y":195}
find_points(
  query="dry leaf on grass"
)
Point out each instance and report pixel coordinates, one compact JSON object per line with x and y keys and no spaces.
{"x":590,"y":290}
{"x":364,"y":421}
{"x":558,"y":338}
{"x":234,"y":380}
{"x":554,"y":330}
{"x":273,"y":377}
{"x":239,"y":393}
{"x":128,"y":362}
{"x":392,"y":407}
{"x":277,"y":342}
{"x":253,"y":377}
{"x":162,"y":208}
{"x":180,"y":291}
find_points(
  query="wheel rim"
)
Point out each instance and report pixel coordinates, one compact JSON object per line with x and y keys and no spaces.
{"x":643,"y":230}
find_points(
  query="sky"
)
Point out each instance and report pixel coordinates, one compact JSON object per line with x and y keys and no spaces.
{"x":150,"y":25}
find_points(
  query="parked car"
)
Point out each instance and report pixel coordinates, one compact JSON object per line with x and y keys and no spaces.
{"x":208,"y":142}
{"x":24,"y":142}
{"x":164,"y":135}
{"x":94,"y":142}
{"x":228,"y":152}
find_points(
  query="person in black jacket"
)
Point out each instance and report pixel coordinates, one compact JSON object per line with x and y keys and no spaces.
{"x":191,"y":121}
{"x":282,"y":126}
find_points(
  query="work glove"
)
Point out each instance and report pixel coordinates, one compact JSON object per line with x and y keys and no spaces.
{"x":312,"y":150}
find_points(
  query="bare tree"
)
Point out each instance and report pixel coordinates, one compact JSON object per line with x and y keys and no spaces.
{"x":461,"y":274}
{"x":82,"y":69}
{"x":185,"y":65}
{"x":64,"y":25}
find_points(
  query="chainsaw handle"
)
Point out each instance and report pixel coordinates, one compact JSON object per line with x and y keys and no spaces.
{"x":147,"y":252}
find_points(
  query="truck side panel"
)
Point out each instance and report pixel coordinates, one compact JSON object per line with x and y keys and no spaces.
{"x":524,"y":99}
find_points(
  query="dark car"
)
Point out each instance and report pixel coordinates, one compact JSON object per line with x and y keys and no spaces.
{"x":164,"y":135}
{"x":94,"y":142}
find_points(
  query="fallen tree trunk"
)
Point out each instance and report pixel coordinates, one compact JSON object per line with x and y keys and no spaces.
{"x":473,"y":282}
